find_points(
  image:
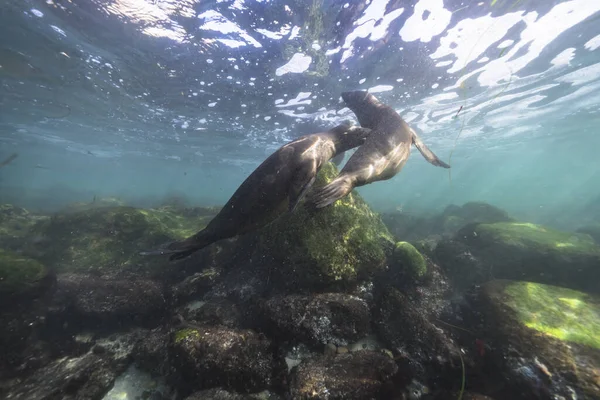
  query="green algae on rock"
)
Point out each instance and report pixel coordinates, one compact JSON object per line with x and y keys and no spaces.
{"x":410,"y":260}
{"x":186,"y":334}
{"x":540,"y":336}
{"x":339,"y":244}
{"x":15,"y":225}
{"x":526,"y":251}
{"x":562,"y":313}
{"x":20,"y":276}
{"x":110,"y":237}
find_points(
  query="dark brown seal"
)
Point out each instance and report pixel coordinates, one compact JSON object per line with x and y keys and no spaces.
{"x":277,"y":185}
{"x":382,"y":156}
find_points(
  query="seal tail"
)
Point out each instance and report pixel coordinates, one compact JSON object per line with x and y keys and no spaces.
{"x":335,"y":190}
{"x":183,"y":248}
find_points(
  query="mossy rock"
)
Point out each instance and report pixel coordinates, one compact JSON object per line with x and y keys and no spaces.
{"x":562,"y":313}
{"x":339,"y":244}
{"x":593,"y":231}
{"x":452,"y":223}
{"x":453,"y":218}
{"x":15,"y":225}
{"x":479,"y":211}
{"x":542,"y":336}
{"x":21,"y":276}
{"x":410,"y":260}
{"x":525,"y":251}
{"x":109,"y":238}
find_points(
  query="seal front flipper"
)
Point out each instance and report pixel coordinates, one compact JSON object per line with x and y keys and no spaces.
{"x":428,"y":154}
{"x":302,"y":182}
{"x":330,"y":193}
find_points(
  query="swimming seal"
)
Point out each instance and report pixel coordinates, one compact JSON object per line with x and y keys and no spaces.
{"x":382,"y":156}
{"x":276,"y":185}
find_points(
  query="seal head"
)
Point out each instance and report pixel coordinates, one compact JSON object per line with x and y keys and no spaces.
{"x":382,"y":156}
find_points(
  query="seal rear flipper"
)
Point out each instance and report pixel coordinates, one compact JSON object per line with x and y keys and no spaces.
{"x":428,"y":154}
{"x":335,"y":190}
{"x":183,"y":248}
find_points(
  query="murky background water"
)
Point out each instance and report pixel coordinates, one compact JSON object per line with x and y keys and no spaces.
{"x":148,"y":99}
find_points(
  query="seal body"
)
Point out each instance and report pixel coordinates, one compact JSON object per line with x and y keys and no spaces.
{"x":382,"y":156}
{"x":274,"y":187}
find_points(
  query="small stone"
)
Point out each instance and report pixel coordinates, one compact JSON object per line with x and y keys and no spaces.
{"x":330,"y":349}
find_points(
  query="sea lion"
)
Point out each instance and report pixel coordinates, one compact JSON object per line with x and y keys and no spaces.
{"x":382,"y":156}
{"x":277,"y":185}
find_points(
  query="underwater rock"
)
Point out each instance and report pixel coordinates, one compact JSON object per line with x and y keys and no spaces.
{"x":333,"y":318}
{"x":544,"y":340}
{"x":87,"y":377}
{"x":21,"y":351}
{"x":350,"y":376}
{"x":331,"y":247}
{"x":21,"y":278}
{"x":445,"y":395}
{"x":218,"y":394}
{"x":106,"y":304}
{"x":215,"y":312}
{"x":205,"y":357}
{"x":406,"y":227}
{"x":109,"y":239}
{"x":454,"y":218}
{"x":525,"y":251}
{"x":408,"y":262}
{"x":478,"y":211}
{"x":424,"y":349}
{"x":151,"y":352}
{"x":460,"y":265}
{"x":593,"y":231}
{"x":194,"y":286}
{"x":15,"y":226}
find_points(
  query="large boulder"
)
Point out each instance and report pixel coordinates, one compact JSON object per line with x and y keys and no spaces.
{"x":423,"y":349}
{"x":21,"y":278}
{"x":15,"y":226}
{"x":592,"y":230}
{"x":350,"y":376}
{"x":84,"y":300}
{"x":544,"y":340}
{"x":454,"y":218}
{"x":317,"y":320}
{"x":522,"y":251}
{"x":335,"y":246}
{"x":215,"y":356}
{"x":408,"y":263}
{"x":109,"y":238}
{"x":87,"y":377}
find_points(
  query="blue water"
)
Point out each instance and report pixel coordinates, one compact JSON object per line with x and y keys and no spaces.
{"x":145,"y":100}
